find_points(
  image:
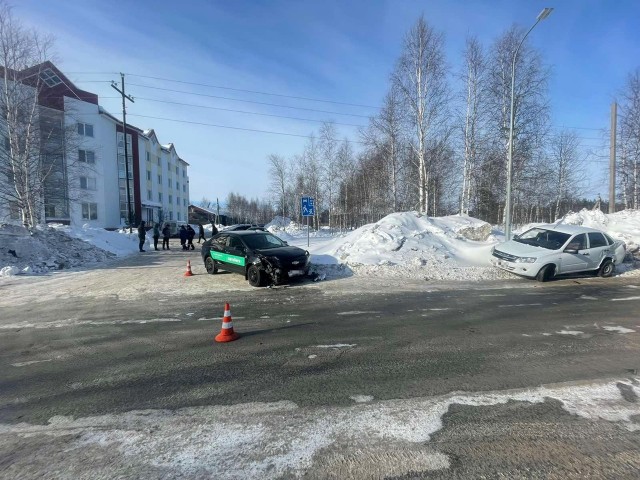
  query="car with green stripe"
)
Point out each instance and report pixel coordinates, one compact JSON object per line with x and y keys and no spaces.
{"x":260,"y":256}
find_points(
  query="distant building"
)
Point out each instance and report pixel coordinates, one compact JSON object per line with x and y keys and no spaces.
{"x":87,"y":182}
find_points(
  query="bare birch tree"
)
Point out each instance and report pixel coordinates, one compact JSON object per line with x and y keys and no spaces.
{"x":279,"y":179}
{"x":566,"y":167}
{"x":629,"y":138}
{"x":421,"y":80}
{"x":25,"y":131}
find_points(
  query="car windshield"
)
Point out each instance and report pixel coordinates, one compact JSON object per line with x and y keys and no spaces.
{"x":263,"y":241}
{"x":541,"y":237}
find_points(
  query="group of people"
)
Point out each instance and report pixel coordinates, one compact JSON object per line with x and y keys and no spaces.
{"x":186,"y":233}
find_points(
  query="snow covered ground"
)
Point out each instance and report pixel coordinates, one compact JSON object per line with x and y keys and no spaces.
{"x":401,"y":245}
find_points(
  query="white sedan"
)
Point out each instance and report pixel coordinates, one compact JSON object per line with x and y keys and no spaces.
{"x":549,"y":250}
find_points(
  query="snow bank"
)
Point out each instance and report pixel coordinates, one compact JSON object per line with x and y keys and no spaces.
{"x":624,"y":225}
{"x":57,"y":247}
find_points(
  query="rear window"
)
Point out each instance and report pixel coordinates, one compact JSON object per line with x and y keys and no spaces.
{"x":596,"y":239}
{"x":609,"y":239}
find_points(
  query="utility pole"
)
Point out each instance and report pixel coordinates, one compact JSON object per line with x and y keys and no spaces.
{"x":612,"y":159}
{"x":114,"y":85}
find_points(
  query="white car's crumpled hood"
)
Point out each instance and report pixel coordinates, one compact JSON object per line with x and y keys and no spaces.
{"x":522,"y":249}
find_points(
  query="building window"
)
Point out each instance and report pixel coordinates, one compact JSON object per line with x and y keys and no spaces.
{"x":160,"y":197}
{"x":149,"y":195}
{"x":184,"y":188}
{"x":170,"y":199}
{"x":85,"y":129}
{"x":185,"y":201}
{"x":177,"y":186}
{"x":149,"y":175}
{"x":178,"y":216}
{"x":169,"y":182}
{"x":148,"y":156}
{"x":50,"y":78}
{"x":159,"y":179}
{"x":178,"y":201}
{"x":87,"y":156}
{"x":170,"y":215}
{"x":87,"y":183}
{"x":89,"y":211}
{"x":159,"y":161}
{"x":177,"y":170}
{"x":184,"y":173}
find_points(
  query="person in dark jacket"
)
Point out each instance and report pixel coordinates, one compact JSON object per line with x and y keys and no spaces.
{"x":166,"y":233}
{"x":183,"y":237}
{"x":156,"y":234}
{"x":142,"y":235}
{"x":191,"y":233}
{"x":214,"y":230}
{"x":200,"y":232}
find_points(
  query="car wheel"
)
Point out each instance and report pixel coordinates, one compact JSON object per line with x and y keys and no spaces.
{"x":545,"y":273}
{"x":606,"y":269}
{"x":255,"y":276}
{"x":211,"y":266}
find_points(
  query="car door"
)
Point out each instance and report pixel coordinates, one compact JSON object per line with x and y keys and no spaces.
{"x":598,"y":248}
{"x":235,"y":254}
{"x":576,"y":262}
{"x":218,"y":250}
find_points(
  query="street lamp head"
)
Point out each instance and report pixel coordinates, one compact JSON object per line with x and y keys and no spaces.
{"x":545,"y":13}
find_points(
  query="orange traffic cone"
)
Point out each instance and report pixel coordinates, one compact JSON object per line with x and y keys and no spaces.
{"x":227,"y":334}
{"x":188,"y":273}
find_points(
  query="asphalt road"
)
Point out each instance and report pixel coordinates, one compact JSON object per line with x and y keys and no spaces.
{"x":323,"y":348}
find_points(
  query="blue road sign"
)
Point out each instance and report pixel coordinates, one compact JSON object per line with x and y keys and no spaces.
{"x":308,"y":206}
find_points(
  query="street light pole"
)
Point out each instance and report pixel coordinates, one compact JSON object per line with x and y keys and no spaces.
{"x":507,"y":218}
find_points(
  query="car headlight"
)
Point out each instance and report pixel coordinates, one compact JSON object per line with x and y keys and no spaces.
{"x":525,"y":260}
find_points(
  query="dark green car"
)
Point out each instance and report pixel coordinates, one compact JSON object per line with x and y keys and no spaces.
{"x":260,"y":256}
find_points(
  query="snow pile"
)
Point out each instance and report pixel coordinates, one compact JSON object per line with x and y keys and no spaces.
{"x":279,"y":222}
{"x":58,"y":247}
{"x":415,"y":246}
{"x":624,"y":225}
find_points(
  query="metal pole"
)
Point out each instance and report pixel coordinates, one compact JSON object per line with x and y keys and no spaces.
{"x":124,"y":136}
{"x":507,"y":206}
{"x":307,"y":232}
{"x":612,"y":159}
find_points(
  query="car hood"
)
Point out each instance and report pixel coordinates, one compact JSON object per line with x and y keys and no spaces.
{"x":282,"y":252}
{"x":522,"y":249}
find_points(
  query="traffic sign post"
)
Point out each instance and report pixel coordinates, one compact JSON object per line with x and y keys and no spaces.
{"x":308,"y":209}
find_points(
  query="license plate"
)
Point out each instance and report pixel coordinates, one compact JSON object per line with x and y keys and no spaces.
{"x":293,"y":273}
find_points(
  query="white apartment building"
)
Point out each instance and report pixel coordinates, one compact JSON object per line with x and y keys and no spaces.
{"x":90,"y":186}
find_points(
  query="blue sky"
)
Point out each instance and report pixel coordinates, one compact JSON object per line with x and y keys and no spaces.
{"x":342,"y":51}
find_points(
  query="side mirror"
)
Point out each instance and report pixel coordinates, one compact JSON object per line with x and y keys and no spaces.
{"x":286,"y":243}
{"x":570,"y":250}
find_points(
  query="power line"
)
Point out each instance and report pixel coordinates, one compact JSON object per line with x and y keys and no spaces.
{"x":244,"y":111}
{"x":253,"y":91}
{"x":228,"y":127}
{"x":249,"y":101}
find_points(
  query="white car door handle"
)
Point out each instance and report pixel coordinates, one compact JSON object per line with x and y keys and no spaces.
{"x":585,"y":253}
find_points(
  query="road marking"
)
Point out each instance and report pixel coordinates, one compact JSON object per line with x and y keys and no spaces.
{"x":337,"y":345}
{"x":624,"y":299}
{"x":79,"y":323}
{"x":356,"y":312}
{"x":312,"y":356}
{"x":24,"y":364}
{"x":361,"y":398}
{"x":521,"y":305}
{"x":587,"y":297}
{"x":619,"y":329}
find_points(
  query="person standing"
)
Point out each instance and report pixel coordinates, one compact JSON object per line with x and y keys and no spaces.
{"x":214,"y":230}
{"x":183,"y":237}
{"x":156,"y":234}
{"x":166,"y":233}
{"x":201,"y":232}
{"x":142,"y":235}
{"x":191,"y":233}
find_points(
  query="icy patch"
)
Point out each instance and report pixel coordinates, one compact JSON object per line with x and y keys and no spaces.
{"x":312,"y":356}
{"x":570,"y":332}
{"x":618,"y":329}
{"x":521,"y":305}
{"x":32,"y":362}
{"x":361,"y":398}
{"x":71,"y":322}
{"x":281,"y":440}
{"x":587,"y":297}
